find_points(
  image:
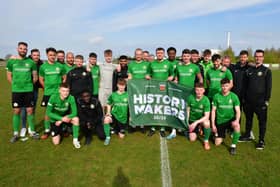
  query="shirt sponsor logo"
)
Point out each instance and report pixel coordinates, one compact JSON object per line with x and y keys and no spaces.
{"x":92,"y":106}
{"x":260,"y":73}
{"x":84,"y":73}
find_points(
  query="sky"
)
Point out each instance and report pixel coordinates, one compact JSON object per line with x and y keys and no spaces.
{"x":86,"y":26}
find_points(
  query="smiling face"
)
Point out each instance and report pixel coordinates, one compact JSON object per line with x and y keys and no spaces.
{"x":60,"y":57}
{"x":171,"y":55}
{"x":259,"y":57}
{"x":160,"y":54}
{"x":35,"y":56}
{"x":79,"y":62}
{"x":22,"y":50}
{"x":194,"y":58}
{"x":225,"y":88}
{"x":51,"y":56}
{"x":217,"y":63}
{"x":70,"y":58}
{"x":64,"y":92}
{"x":138,"y":55}
{"x":186,"y":58}
{"x":199,"y":91}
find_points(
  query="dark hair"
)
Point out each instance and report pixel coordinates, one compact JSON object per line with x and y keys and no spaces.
{"x":23,"y":43}
{"x":243,"y":52}
{"x":35,"y":50}
{"x":186,"y":51}
{"x":146,"y":52}
{"x":160,"y":49}
{"x":225,"y":81}
{"x":121,"y":81}
{"x":108,"y":52}
{"x":123,"y":57}
{"x":64,"y":85}
{"x":60,"y":51}
{"x":216,"y":57}
{"x":259,"y":51}
{"x":199,"y":85}
{"x":50,"y":49}
{"x":194,"y":51}
{"x":207,"y":52}
{"x":79,"y":57}
{"x":94,"y":55}
{"x":171,"y":49}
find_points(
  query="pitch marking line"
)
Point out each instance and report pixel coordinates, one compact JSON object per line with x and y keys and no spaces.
{"x":165,"y":166}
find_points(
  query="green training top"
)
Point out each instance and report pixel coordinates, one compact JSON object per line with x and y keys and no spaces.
{"x":186,"y":74}
{"x":21,"y":70}
{"x":138,"y":70}
{"x":52,"y":74}
{"x":68,"y":68}
{"x":225,"y":107}
{"x":160,"y":70}
{"x":95,"y":73}
{"x":214,"y":76}
{"x":198,"y":107}
{"x":58,"y":108}
{"x":206,"y":66}
{"x":119,"y":103}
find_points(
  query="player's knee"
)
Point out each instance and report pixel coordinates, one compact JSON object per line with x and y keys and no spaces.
{"x":16,"y":110}
{"x":192,"y":136}
{"x":218,"y":141}
{"x":107,"y":120}
{"x":47,"y":117}
{"x":75,"y":121}
{"x":29,"y":110}
{"x":236,"y":127}
{"x":206,"y":124}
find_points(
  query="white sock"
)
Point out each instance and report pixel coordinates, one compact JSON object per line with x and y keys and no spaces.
{"x":233,"y":145}
{"x":15,"y":133}
{"x":173,"y":132}
{"x":75,"y":139}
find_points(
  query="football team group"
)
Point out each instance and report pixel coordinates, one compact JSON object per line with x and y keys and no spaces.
{"x":93,"y":97}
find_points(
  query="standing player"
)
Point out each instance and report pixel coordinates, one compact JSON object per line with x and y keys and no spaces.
{"x":195,"y":59}
{"x":171,"y":53}
{"x":79,"y":78}
{"x":51,"y":75}
{"x":60,"y":55}
{"x":185,"y":74}
{"x":69,"y":65}
{"x":160,"y":69}
{"x":117,"y":111}
{"x":22,"y":74}
{"x":121,"y":72}
{"x":62,"y":109}
{"x":226,"y":61}
{"x":198,"y":112}
{"x":106,"y":72}
{"x":225,"y":115}
{"x":206,"y":64}
{"x":138,"y":69}
{"x":95,"y":72}
{"x":258,"y":85}
{"x":146,"y":56}
{"x":215,"y":75}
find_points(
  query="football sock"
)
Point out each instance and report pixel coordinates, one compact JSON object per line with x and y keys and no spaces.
{"x":235,"y":138}
{"x":207,"y":132}
{"x":107,"y":129}
{"x":30,"y":120}
{"x":16,"y":122}
{"x":47,"y":125}
{"x":75,"y":131}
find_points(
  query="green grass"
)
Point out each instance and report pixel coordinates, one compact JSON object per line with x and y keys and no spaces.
{"x":135,"y":160}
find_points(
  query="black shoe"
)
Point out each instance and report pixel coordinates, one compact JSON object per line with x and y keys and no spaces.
{"x":162,"y":133}
{"x":245,"y":139}
{"x":143,"y":130}
{"x":151,"y":133}
{"x":88,"y":140}
{"x":232,"y":150}
{"x":260,"y":145}
{"x":131,"y":130}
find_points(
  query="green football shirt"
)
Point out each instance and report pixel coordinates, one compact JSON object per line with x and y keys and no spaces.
{"x":206,"y":66}
{"x":119,"y":103}
{"x":198,"y":107}
{"x":225,"y":107}
{"x":58,"y":108}
{"x":160,"y":70}
{"x":186,"y":74}
{"x":52,"y":74}
{"x":21,"y":70}
{"x":214,"y":76}
{"x":68,"y":68}
{"x":138,"y":70}
{"x":95,"y":73}
{"x":174,"y":64}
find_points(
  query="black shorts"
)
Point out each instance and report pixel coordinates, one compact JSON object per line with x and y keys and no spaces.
{"x":118,"y":126}
{"x":22,"y":99}
{"x":221,"y":128}
{"x":56,"y":130}
{"x":45,"y":100}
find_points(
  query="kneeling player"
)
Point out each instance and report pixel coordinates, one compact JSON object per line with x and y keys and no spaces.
{"x":62,"y":109}
{"x":198,"y":113}
{"x":225,"y":114}
{"x":118,"y":101}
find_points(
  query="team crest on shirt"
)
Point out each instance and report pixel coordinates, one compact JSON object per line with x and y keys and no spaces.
{"x":84,"y":73}
{"x":200,"y":106}
{"x":221,"y":74}
{"x":260,"y":73}
{"x":15,"y":104}
{"x":26,"y":65}
{"x":92,"y":106}
{"x":144,"y":67}
{"x":230,"y":101}
{"x":190,"y":70}
{"x":125,"y":99}
{"x":165,"y":66}
{"x":57,"y":69}
{"x":67,"y":104}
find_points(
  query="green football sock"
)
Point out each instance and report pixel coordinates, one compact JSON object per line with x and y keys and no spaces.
{"x":235,"y":137}
{"x":75,"y":131}
{"x":30,"y":120}
{"x":107,"y":129}
{"x":16,"y":122}
{"x":47,"y":125}
{"x":207,"y":132}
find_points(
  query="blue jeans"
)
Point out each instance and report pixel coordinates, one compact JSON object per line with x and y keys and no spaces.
{"x":23,"y":110}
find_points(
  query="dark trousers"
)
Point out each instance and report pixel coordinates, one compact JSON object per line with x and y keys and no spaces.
{"x":261,"y":111}
{"x":88,"y":130}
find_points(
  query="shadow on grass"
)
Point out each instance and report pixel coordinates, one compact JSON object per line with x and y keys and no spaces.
{"x":120,"y":179}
